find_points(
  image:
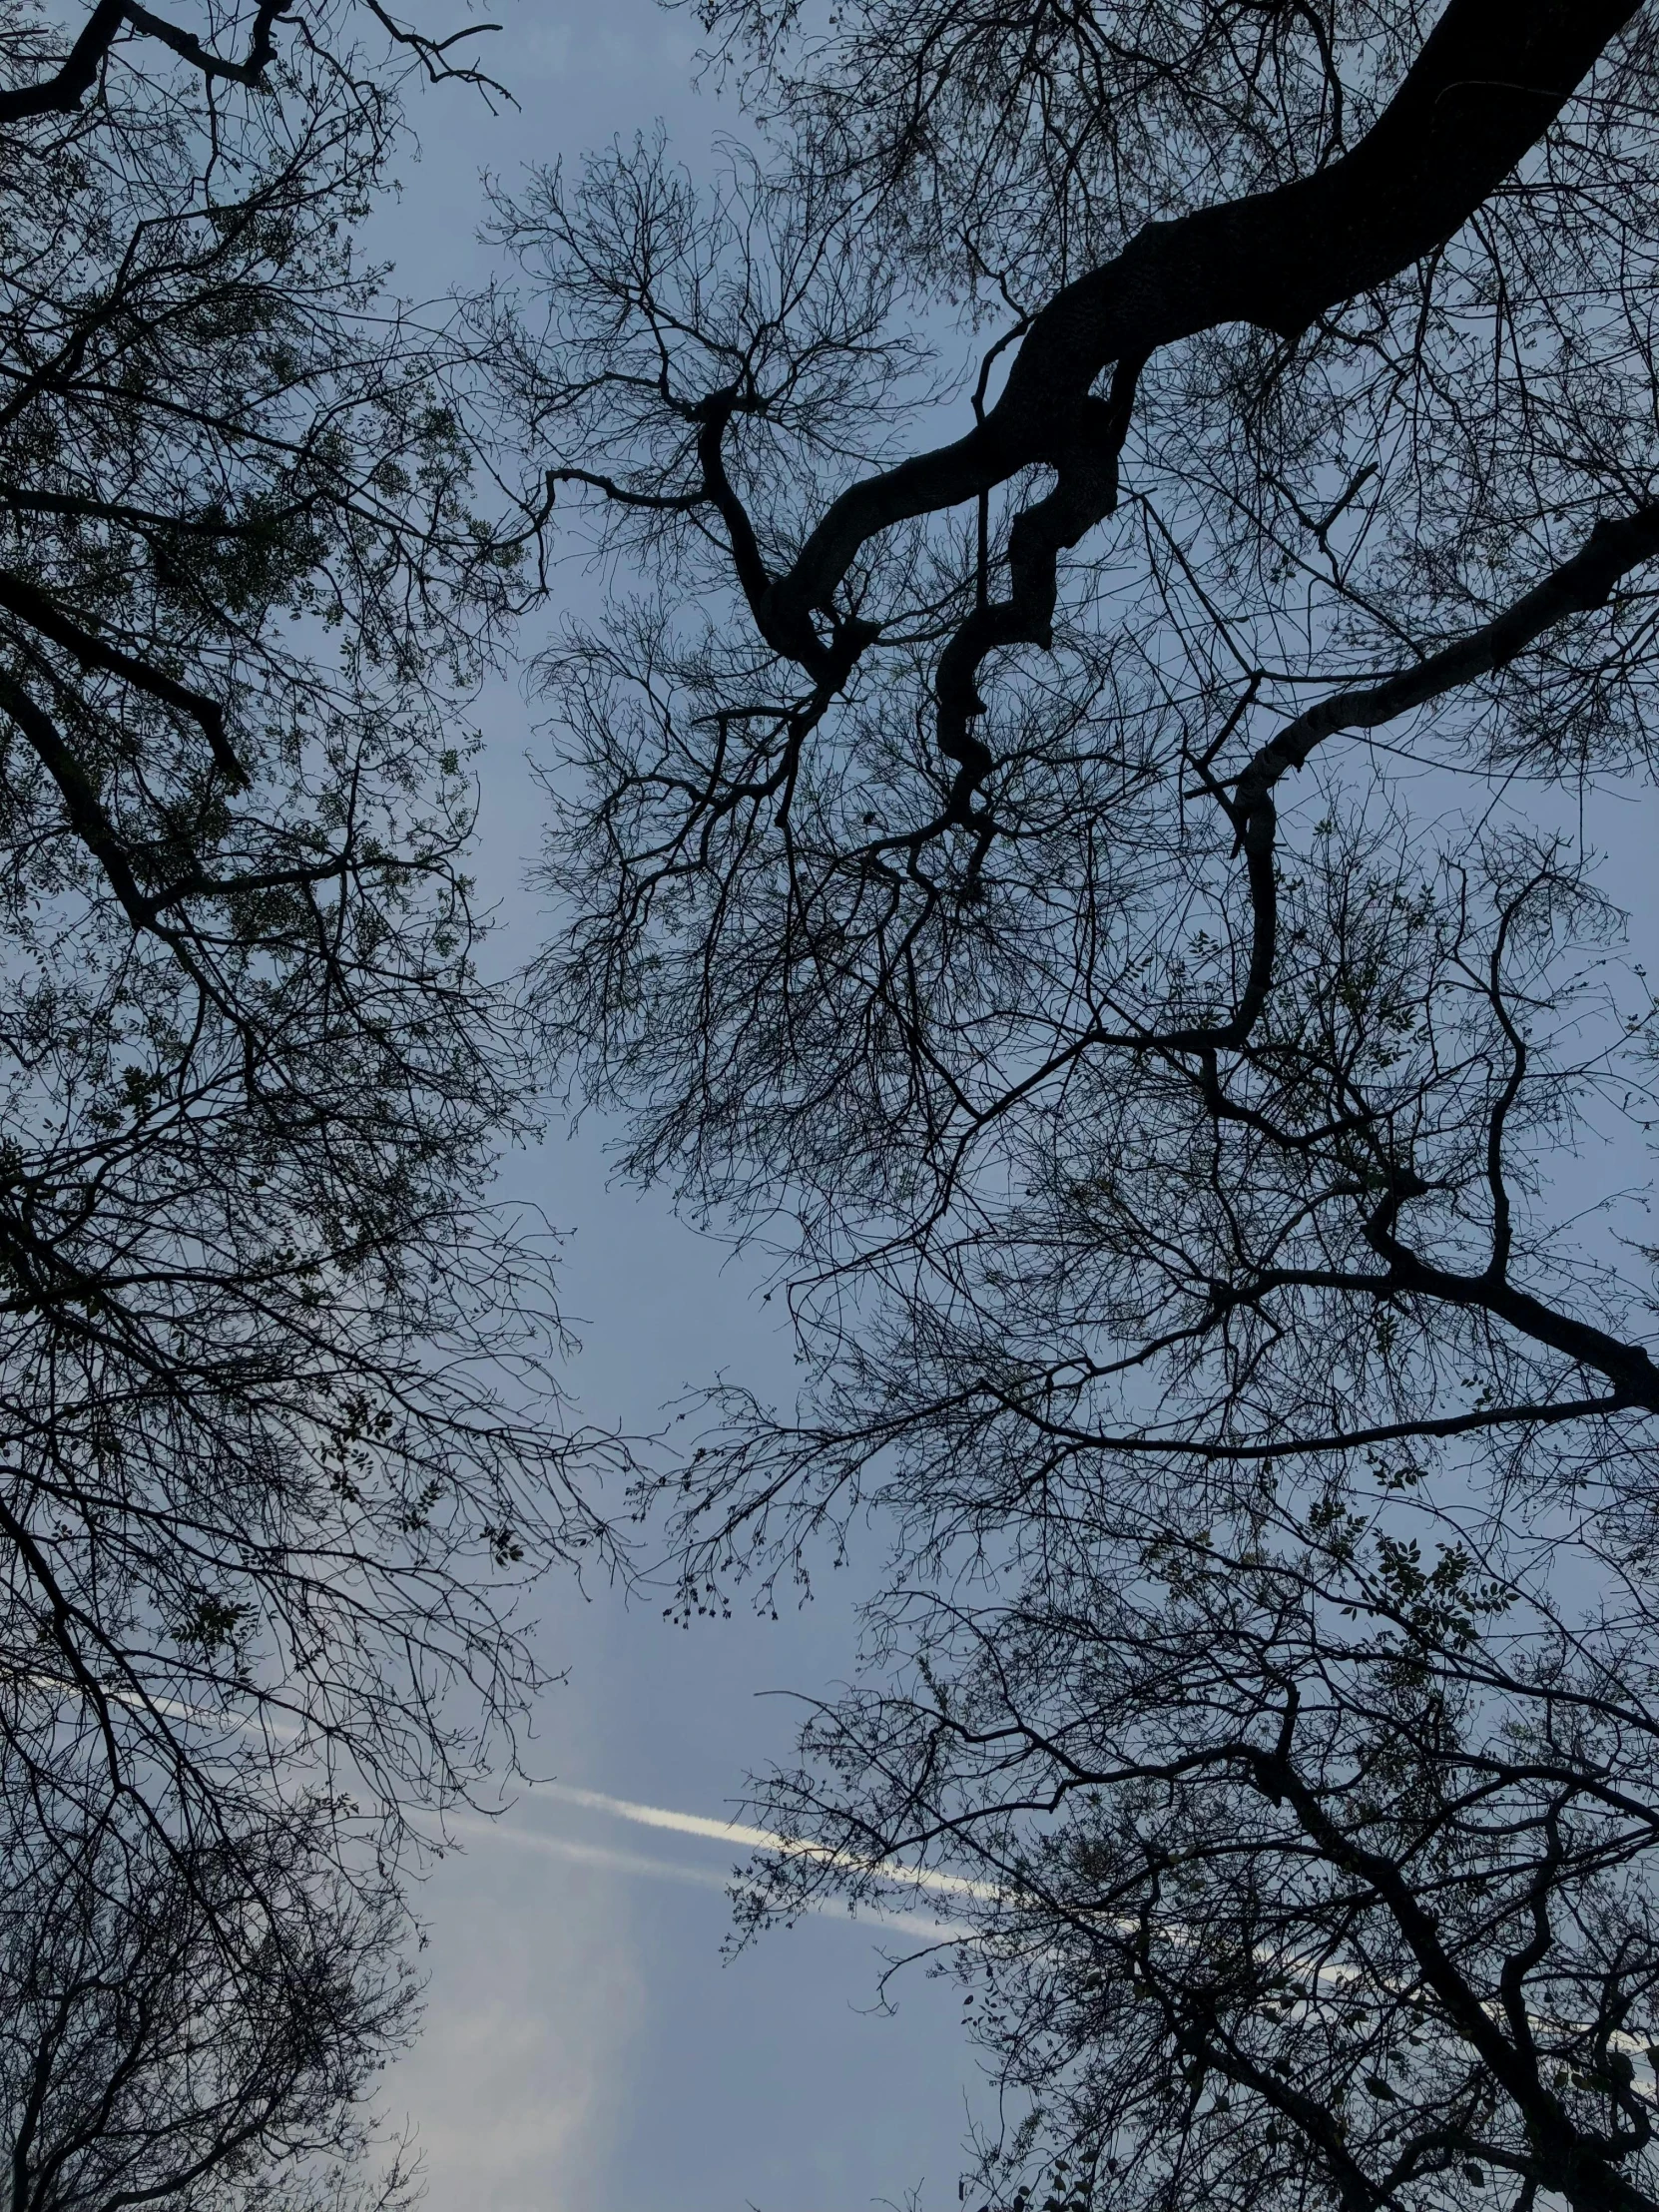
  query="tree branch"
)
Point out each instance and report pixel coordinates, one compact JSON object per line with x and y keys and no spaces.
{"x":1492,"y":77}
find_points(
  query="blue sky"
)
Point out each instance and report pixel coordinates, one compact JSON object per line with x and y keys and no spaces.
{"x":585,"y":2043}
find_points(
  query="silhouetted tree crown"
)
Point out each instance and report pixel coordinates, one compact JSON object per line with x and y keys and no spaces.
{"x":196,"y":2028}
{"x":280,"y":1443}
{"x":1131,"y":536}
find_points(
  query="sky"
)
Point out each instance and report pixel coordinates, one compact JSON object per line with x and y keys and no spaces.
{"x":586,"y":2042}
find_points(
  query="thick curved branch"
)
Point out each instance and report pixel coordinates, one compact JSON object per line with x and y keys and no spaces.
{"x":1629,"y":1368}
{"x":1085,"y":495}
{"x":62,"y":93}
{"x":33,"y":606}
{"x":250,"y":70}
{"x":1492,"y":77}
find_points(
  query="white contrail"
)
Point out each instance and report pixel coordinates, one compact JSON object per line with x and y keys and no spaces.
{"x":764,"y":1838}
{"x":597,"y":1855}
{"x":595,"y":1801}
{"x":668,"y":1869}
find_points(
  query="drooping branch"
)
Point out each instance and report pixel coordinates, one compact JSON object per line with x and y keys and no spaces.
{"x":1615,"y":546}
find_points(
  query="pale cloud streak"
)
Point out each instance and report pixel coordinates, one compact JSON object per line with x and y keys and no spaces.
{"x":764,"y":1838}
{"x":504,"y":1830}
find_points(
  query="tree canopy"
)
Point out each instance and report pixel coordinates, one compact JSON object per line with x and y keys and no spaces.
{"x":280,"y":1436}
{"x":1131,"y":534}
{"x":195,"y":2026}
